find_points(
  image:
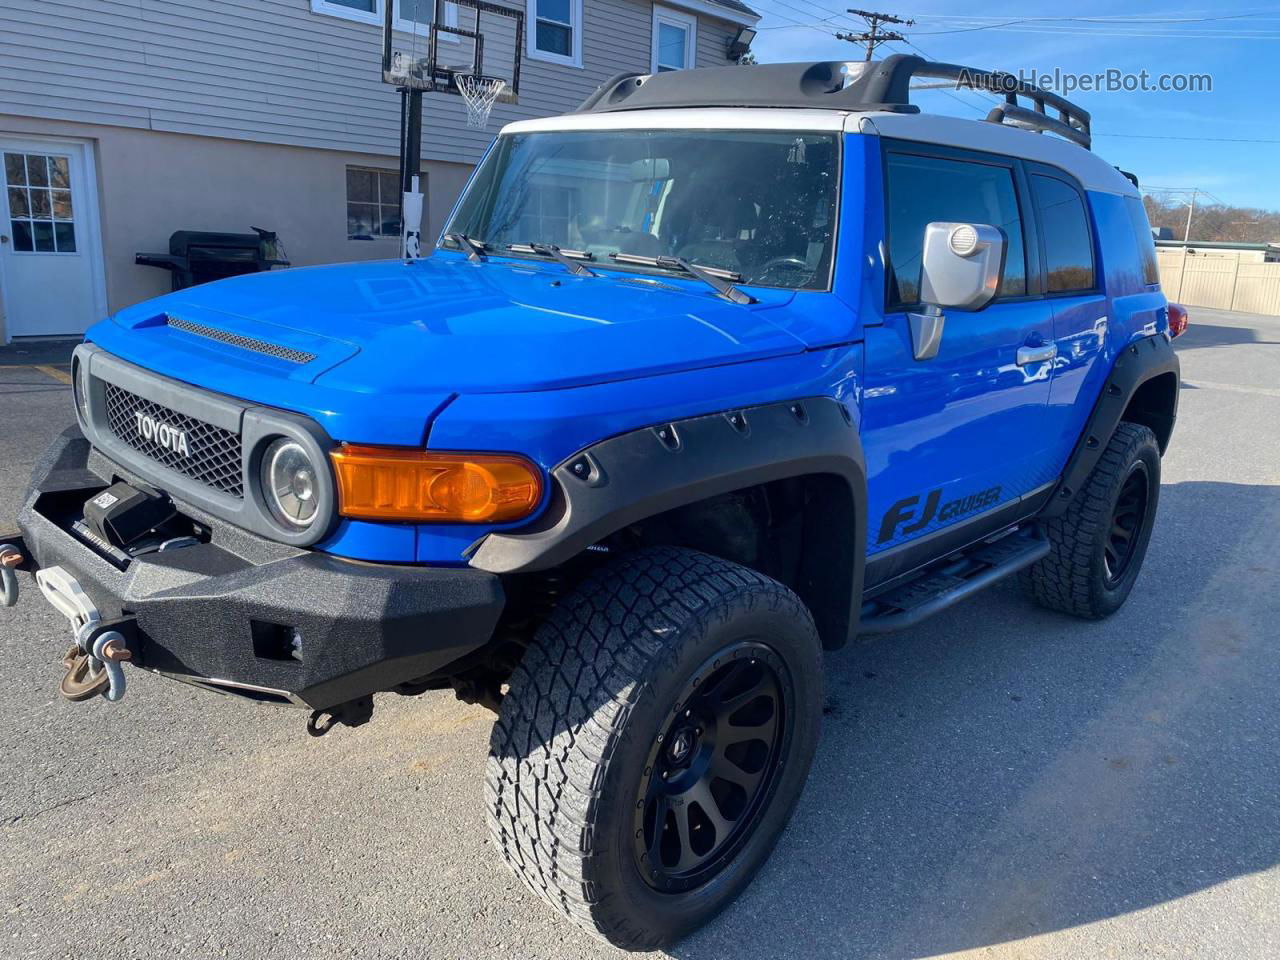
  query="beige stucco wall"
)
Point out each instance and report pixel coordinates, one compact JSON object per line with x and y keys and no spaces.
{"x":151,"y":184}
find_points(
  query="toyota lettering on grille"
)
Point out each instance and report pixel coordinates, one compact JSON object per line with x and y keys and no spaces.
{"x":157,"y":431}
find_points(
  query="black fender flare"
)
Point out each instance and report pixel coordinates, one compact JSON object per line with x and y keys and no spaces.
{"x":627,"y":478}
{"x":1138,"y":363}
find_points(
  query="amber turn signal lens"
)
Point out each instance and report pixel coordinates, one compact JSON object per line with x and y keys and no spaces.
{"x":388,"y":483}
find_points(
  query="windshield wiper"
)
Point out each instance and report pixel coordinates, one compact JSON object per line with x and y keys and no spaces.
{"x":571,"y":260}
{"x":474,"y":248}
{"x":717,"y":280}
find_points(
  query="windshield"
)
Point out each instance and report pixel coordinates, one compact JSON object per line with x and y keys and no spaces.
{"x":760,"y":204}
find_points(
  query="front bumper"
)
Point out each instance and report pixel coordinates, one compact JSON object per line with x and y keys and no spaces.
{"x":224,"y":614}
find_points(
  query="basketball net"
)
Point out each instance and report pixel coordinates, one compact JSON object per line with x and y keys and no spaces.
{"x":479,"y":94}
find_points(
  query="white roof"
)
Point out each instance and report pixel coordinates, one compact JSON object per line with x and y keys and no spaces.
{"x":1092,"y":171}
{"x":700,"y":118}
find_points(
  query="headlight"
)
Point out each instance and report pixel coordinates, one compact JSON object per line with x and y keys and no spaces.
{"x":290,"y":484}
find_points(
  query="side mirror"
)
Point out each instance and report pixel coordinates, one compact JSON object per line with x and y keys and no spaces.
{"x":960,"y":267}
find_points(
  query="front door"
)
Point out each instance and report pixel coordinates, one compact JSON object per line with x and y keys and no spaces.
{"x":50,"y":257}
{"x":958,"y":435}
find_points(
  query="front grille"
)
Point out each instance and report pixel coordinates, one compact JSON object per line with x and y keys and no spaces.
{"x":236,"y":340}
{"x":213,"y":454}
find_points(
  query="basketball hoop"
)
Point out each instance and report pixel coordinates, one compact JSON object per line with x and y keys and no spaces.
{"x":479,"y":94}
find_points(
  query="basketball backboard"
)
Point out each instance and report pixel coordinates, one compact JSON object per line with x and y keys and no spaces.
{"x":428,"y":44}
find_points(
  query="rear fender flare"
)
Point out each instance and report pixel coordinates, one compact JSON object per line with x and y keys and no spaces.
{"x":1138,"y":363}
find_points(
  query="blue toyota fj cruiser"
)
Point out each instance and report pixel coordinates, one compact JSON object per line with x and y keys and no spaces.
{"x":708,"y":377}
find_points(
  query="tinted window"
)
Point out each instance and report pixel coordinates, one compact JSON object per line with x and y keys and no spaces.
{"x":1146,"y":243}
{"x":1068,"y":243}
{"x":924,"y":189}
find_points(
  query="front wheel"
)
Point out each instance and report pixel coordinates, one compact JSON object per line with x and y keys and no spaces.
{"x":653,"y":743}
{"x":1097,"y":546}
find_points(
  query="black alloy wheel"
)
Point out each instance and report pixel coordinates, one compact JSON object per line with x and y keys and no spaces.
{"x":1127,"y":520}
{"x":712,"y":769}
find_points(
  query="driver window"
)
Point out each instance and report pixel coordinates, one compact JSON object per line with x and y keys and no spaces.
{"x":922,"y":190}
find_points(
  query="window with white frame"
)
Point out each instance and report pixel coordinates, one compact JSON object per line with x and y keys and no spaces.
{"x":675,"y":39}
{"x":410,"y":15}
{"x":373,"y":202}
{"x":555,"y":31}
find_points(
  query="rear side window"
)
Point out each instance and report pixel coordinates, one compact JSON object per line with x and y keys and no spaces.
{"x":924,"y":189}
{"x":1068,"y":241}
{"x":1146,"y":243}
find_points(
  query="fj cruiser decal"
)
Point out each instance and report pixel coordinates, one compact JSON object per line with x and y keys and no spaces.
{"x":905,"y":510}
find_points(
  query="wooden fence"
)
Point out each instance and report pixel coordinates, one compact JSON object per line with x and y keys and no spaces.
{"x":1222,"y":282}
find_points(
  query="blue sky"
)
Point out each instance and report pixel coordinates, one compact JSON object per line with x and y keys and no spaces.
{"x":1241,"y":54}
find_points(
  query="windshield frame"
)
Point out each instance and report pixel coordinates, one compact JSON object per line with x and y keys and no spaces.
{"x":608,"y":264}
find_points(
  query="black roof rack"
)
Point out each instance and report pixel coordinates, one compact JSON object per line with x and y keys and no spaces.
{"x":839,"y":85}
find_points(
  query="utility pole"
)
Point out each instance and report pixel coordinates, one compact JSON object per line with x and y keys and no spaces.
{"x":1191,"y":209}
{"x":873,"y":36}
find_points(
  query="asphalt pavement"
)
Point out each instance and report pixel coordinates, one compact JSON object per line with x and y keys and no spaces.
{"x":1000,"y":781}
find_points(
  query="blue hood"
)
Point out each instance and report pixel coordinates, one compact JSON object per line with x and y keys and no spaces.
{"x":418,"y":334}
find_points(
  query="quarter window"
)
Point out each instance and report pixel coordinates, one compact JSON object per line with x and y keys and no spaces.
{"x":1146,"y":243}
{"x":674,"y":40}
{"x":373,"y":203}
{"x":556,"y":31}
{"x":1068,"y":241}
{"x":922,"y":190}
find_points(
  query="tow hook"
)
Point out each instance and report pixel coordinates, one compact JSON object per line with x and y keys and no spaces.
{"x":10,"y":559}
{"x":353,"y":713}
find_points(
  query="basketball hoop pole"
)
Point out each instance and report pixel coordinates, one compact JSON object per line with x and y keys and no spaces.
{"x":410,"y":168}
{"x":406,"y":68}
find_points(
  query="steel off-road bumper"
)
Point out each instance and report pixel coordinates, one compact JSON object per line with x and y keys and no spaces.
{"x":247,"y":616}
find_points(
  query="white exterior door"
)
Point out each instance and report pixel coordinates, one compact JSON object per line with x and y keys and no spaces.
{"x":50,"y":245}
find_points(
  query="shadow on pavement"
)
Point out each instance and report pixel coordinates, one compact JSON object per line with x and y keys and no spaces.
{"x":1003,"y":771}
{"x":1201,"y":335}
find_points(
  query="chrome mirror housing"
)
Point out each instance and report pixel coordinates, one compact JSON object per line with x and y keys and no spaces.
{"x":960,"y":267}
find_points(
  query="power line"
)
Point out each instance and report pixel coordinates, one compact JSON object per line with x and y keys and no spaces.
{"x":1111,"y":19}
{"x":954,"y":96}
{"x":1153,"y":136}
{"x":1153,"y":33}
{"x":1155,"y":27}
{"x":822,"y":25}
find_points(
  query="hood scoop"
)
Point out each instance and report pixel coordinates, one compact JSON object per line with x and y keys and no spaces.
{"x":238,"y":340}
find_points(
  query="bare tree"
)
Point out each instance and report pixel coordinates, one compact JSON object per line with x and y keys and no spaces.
{"x":1214,"y":222}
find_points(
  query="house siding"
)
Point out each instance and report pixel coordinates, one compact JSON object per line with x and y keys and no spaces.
{"x":272,"y":71}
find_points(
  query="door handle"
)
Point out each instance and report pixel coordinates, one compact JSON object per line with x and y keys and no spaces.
{"x":3,"y":238}
{"x":1037,"y":354}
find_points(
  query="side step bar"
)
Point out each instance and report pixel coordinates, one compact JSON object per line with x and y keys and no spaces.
{"x":940,"y":587}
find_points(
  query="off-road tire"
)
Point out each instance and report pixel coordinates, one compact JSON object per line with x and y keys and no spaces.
{"x":583,"y":710}
{"x":1073,"y":578}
